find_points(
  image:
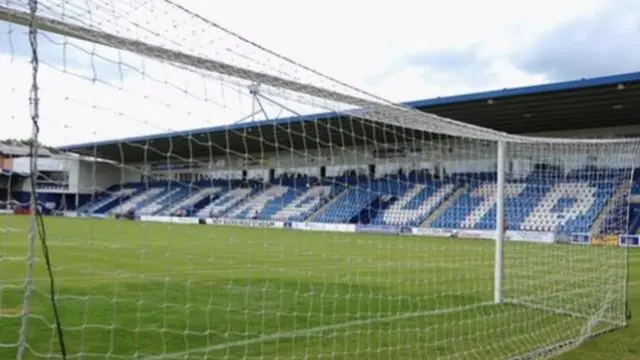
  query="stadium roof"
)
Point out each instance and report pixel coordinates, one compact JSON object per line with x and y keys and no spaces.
{"x":582,"y":104}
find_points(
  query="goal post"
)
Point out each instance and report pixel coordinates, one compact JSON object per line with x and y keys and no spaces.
{"x":248,"y":239}
{"x":500,"y":225}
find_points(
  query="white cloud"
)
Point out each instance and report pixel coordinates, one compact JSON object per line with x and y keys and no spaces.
{"x":94,"y":93}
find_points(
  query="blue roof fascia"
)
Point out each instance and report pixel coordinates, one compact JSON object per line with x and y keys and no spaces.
{"x":528,"y":90}
{"x":448,"y":100}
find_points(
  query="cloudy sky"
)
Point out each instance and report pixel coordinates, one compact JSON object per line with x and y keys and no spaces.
{"x":401,"y":50}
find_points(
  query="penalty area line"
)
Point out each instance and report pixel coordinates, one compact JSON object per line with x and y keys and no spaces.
{"x":314,"y":330}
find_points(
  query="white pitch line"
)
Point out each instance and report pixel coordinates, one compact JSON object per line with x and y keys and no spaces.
{"x":318,"y":329}
{"x":357,"y":271}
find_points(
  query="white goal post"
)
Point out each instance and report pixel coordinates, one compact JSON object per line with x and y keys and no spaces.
{"x":163,"y":289}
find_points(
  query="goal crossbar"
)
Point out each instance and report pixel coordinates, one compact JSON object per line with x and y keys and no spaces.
{"x":380,"y":110}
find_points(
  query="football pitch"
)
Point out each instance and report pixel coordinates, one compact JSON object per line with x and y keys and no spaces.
{"x":131,"y":290}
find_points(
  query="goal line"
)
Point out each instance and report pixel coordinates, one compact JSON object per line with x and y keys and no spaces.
{"x":320,"y":329}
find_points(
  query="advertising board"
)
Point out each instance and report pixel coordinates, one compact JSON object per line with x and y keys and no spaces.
{"x":431,"y":232}
{"x":605,"y":240}
{"x":246,"y":222}
{"x":630,"y":240}
{"x":380,"y":229}
{"x":323,"y":227}
{"x":526,"y":236}
{"x":581,"y":238}
{"x":531,"y":236}
{"x":169,"y":219}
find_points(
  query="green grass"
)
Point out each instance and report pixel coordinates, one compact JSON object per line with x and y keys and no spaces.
{"x":133,"y":290}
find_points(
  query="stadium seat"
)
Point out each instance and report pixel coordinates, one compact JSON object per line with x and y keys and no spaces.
{"x":191,"y":199}
{"x":414,"y":203}
{"x":102,"y":200}
{"x":252,"y":207}
{"x":225,"y":202}
{"x":541,"y":202}
{"x":138,"y":199}
{"x":348,"y":205}
{"x":296,"y":204}
{"x":173,"y":194}
{"x":109,"y":201}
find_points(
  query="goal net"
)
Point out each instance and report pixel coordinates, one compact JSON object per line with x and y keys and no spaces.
{"x":253,"y":236}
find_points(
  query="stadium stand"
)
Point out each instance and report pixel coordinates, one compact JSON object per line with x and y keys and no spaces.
{"x":284,"y":203}
{"x":253,"y":206}
{"x":547,"y":199}
{"x":173,"y":194}
{"x":347,"y":207}
{"x":409,"y":204}
{"x":544,"y":201}
{"x":139,"y":198}
{"x":194,"y":198}
{"x":298,"y":205}
{"x":225,"y":200}
{"x":107,"y":200}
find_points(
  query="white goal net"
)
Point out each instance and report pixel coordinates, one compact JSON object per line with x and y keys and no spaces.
{"x":254,"y":240}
